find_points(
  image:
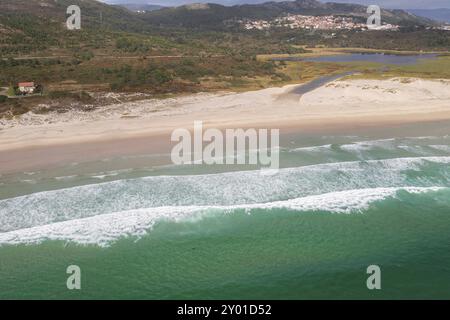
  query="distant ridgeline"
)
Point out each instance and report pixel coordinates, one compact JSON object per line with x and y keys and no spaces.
{"x":217,"y":16}
{"x":30,"y":27}
{"x":442,"y":14}
{"x":34,"y":17}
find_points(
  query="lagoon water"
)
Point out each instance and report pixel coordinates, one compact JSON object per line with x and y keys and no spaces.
{"x":382,"y":58}
{"x":340,"y":203}
{"x":374,"y":57}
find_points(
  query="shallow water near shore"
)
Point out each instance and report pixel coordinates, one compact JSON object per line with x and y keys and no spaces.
{"x":142,"y":228}
{"x":390,"y":59}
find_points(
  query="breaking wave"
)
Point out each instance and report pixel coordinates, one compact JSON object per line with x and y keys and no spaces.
{"x":105,"y":229}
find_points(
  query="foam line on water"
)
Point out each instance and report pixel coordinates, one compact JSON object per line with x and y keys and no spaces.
{"x":232,"y":188}
{"x":312,"y":148}
{"x":369,"y":145}
{"x":103,"y":230}
{"x":390,"y":144}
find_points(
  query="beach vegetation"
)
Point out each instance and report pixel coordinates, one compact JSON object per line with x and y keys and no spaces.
{"x":12,"y":91}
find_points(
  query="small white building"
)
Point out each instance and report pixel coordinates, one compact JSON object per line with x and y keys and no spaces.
{"x":26,"y":87}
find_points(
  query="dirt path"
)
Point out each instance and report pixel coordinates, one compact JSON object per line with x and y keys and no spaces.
{"x":113,"y":57}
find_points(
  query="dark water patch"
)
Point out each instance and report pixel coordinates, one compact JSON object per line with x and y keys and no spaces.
{"x":374,"y":57}
{"x":365,"y":57}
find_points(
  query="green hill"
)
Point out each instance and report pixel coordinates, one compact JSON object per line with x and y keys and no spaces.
{"x":215,"y":16}
{"x":29,"y":26}
{"x":53,"y":13}
{"x":45,"y":18}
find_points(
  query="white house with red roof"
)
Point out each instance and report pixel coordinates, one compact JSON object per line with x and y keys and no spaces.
{"x":26,"y":87}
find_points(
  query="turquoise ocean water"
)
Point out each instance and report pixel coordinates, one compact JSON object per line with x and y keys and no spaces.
{"x":340,"y":203}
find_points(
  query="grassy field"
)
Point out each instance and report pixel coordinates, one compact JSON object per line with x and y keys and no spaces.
{"x":300,"y":71}
{"x":438,"y":68}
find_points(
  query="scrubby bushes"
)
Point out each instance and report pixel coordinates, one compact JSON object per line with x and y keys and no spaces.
{"x":151,"y":76}
{"x":82,"y":96}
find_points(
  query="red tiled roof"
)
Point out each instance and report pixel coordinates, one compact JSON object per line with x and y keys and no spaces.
{"x":26,"y":84}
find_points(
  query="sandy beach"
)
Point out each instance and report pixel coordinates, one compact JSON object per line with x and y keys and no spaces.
{"x":39,"y":140}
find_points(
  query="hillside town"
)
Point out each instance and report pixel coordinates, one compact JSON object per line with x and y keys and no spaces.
{"x":312,"y":22}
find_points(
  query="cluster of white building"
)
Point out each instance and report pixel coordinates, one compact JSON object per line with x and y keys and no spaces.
{"x":387,"y":26}
{"x":311,"y":22}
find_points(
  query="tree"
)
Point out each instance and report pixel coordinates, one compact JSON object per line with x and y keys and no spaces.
{"x":12,"y":91}
{"x":39,"y":89}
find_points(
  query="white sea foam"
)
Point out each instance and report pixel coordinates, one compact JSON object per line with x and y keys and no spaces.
{"x":356,"y":146}
{"x":105,"y":175}
{"x":429,"y":137}
{"x":30,"y":181}
{"x":223,"y":189}
{"x":65,"y":178}
{"x":101,"y":177}
{"x":30,"y":173}
{"x":369,"y":145}
{"x":103,"y":230}
{"x":359,"y":147}
{"x":312,"y":148}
